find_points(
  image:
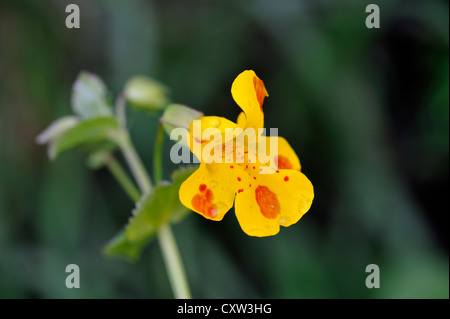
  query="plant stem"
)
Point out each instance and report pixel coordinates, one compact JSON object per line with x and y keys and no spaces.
{"x":167,"y":242}
{"x":174,"y":264}
{"x":121,"y":111}
{"x":157,"y":159}
{"x":171,"y":254}
{"x":135,"y":164}
{"x":123,"y":179}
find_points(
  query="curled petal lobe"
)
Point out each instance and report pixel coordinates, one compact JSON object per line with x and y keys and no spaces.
{"x":249,"y":92}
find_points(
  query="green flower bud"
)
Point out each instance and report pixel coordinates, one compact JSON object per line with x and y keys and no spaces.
{"x":178,"y":115}
{"x":145,"y":93}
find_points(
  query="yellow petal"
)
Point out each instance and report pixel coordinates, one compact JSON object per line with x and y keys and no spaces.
{"x":249,"y":92}
{"x":269,"y":201}
{"x":285,"y":157}
{"x":199,"y":135}
{"x":210,"y":190}
{"x":241,"y":120}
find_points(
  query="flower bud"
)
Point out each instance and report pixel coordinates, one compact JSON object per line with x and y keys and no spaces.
{"x":145,"y":93}
{"x":178,"y":116}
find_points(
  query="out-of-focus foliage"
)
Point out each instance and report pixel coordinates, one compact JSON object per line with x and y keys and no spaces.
{"x":366,"y":110}
{"x":145,"y":93}
{"x":160,"y":207}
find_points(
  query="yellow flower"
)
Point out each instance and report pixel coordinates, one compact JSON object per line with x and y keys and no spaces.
{"x":262,"y":201}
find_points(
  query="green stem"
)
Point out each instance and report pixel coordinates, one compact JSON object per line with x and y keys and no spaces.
{"x":174,"y":264}
{"x":167,"y":242}
{"x":123,"y":179}
{"x":171,"y":254}
{"x":157,"y":159}
{"x":121,"y":111}
{"x":135,"y":164}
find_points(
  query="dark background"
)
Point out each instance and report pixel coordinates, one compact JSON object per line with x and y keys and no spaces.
{"x":367,"y":111}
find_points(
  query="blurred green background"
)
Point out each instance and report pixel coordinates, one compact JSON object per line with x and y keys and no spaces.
{"x":367,"y":111}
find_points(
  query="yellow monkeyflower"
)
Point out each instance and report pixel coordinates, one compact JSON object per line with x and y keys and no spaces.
{"x":263,"y":201}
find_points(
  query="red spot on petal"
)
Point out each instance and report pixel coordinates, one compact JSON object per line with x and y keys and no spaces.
{"x":254,"y":167}
{"x":286,"y":178}
{"x":239,"y":179}
{"x":202,"y":188}
{"x":231,"y":166}
{"x":254,"y":177}
{"x":268,"y":202}
{"x":250,"y":185}
{"x":203,"y":204}
{"x":240,"y":190}
{"x":283,"y":162}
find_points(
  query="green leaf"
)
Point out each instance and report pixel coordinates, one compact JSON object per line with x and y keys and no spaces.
{"x":153,"y":210}
{"x":95,"y":133}
{"x":57,"y":128}
{"x":146,"y":93}
{"x":161,"y":206}
{"x":89,"y":96}
{"x":120,"y":246}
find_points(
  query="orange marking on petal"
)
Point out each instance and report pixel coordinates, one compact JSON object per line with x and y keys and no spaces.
{"x":268,"y":202}
{"x":203,"y":202}
{"x":209,"y":195}
{"x":260,"y":90}
{"x":283,"y":162}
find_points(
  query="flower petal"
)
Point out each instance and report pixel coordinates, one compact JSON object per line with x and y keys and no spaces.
{"x":241,"y":120}
{"x":210,"y":190}
{"x":199,"y":134}
{"x":272,"y":200}
{"x":249,"y":92}
{"x":285,"y":158}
